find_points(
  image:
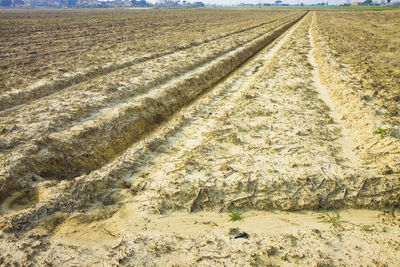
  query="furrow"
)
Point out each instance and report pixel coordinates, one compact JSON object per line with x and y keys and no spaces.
{"x":13,"y":100}
{"x":61,"y":110}
{"x":111,"y":177}
{"x":89,"y":145}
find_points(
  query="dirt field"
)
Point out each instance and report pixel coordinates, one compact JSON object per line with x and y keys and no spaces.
{"x":141,"y":152}
{"x":44,"y":51}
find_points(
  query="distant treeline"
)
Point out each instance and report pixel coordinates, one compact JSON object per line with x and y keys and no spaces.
{"x":97,"y":3}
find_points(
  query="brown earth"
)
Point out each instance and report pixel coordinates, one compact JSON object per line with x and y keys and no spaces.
{"x":43,"y":51}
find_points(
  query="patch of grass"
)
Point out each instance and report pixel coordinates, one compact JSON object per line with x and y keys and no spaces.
{"x":73,"y":247}
{"x":367,"y":229}
{"x":235,"y":216}
{"x":294,"y":258}
{"x":221,"y":139}
{"x":334,"y":220}
{"x":160,"y":248}
{"x":156,"y":247}
{"x":382,"y":132}
{"x":285,"y":257}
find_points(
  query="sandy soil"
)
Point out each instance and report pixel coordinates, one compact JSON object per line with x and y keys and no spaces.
{"x":273,"y":137}
{"x":60,"y":136}
{"x":362,"y":238}
{"x":44,"y":51}
{"x":364,"y":99}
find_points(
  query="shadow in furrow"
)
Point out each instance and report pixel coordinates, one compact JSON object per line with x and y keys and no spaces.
{"x":90,"y":145}
{"x":13,"y":101}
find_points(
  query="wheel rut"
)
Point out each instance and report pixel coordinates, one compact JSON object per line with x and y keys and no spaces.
{"x":346,"y":139}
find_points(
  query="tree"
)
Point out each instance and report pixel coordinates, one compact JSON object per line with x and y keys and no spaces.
{"x":19,"y":2}
{"x":367,"y":2}
{"x":72,"y":2}
{"x":140,"y":3}
{"x":5,"y":3}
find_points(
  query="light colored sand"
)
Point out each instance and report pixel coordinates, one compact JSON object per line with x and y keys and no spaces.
{"x":268,"y":137}
{"x":368,"y":238}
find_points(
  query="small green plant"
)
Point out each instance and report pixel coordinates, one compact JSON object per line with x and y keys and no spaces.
{"x":285,"y":257}
{"x":367,"y":228}
{"x":255,"y":260}
{"x":296,"y":258}
{"x":334,"y":220}
{"x":73,"y":247}
{"x":221,"y":139}
{"x":235,"y":216}
{"x":156,"y":247}
{"x":160,"y":248}
{"x":382,"y":132}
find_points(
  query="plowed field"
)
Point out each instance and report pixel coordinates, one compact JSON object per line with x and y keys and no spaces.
{"x":129,"y":137}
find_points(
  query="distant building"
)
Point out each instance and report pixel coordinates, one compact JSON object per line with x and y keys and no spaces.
{"x":41,"y":3}
{"x":86,"y":3}
{"x":18,"y":3}
{"x":198,"y":4}
{"x":279,"y":3}
{"x":244,"y":4}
